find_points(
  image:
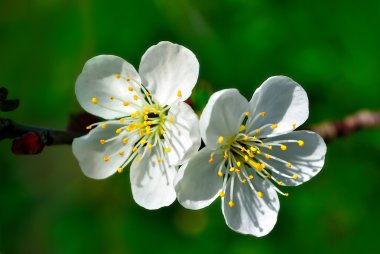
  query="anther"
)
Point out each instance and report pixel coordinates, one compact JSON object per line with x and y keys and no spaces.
{"x":295,"y":176}
{"x":270,"y":147}
{"x":269,"y":176}
{"x":238,"y":163}
{"x":125,"y":140}
{"x":102,"y":141}
{"x":125,"y":103}
{"x":246,"y":157}
{"x":106,"y":158}
{"x":147,"y":94}
{"x":162,"y":132}
{"x":246,"y":138}
{"x":301,"y":143}
{"x":135,"y":97}
{"x":120,"y":170}
{"x":159,"y":160}
{"x":260,"y":194}
{"x":242,"y":127}
{"x":117,"y":76}
{"x":232,"y":169}
{"x":244,"y":180}
{"x":94,"y":100}
{"x":211,"y":160}
{"x":267,"y":156}
{"x":225,"y":156}
{"x":134,"y":149}
{"x":220,"y":140}
{"x":171,"y":119}
{"x":247,"y":113}
{"x":111,"y":97}
{"x":274,"y":126}
{"x":118,"y":131}
{"x":279,"y":182}
{"x":258,"y":131}
{"x":289,"y":165}
{"x":121,"y":153}
{"x":294,"y":125}
{"x":104,"y":126}
{"x":263,"y":113}
{"x":130,"y":88}
{"x":237,"y":171}
{"x":250,"y":176}
{"x":221,"y":194}
{"x":122,"y":120}
{"x":168,"y":149}
{"x":220,"y":173}
{"x":149,"y":146}
{"x":89,"y":127}
{"x":231,"y":203}
{"x":179,"y":93}
{"x":283,"y":147}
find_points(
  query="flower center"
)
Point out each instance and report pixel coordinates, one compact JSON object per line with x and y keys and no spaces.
{"x":143,"y":130}
{"x":246,"y":155}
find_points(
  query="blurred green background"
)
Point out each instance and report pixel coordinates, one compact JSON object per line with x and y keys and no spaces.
{"x":330,"y":47}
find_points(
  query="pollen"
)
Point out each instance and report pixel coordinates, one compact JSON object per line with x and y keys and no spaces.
{"x":269,"y":176}
{"x":260,"y":194}
{"x":102,"y":141}
{"x":220,"y":173}
{"x":130,"y":88}
{"x":104,"y":126}
{"x":120,"y":170}
{"x":274,"y":126}
{"x":133,"y":115}
{"x":220,"y":140}
{"x":283,"y":147}
{"x":258,"y":152}
{"x":247,"y":113}
{"x":135,"y":97}
{"x":221,"y":194}
{"x":112,"y":98}
{"x":106,"y":158}
{"x":94,"y":100}
{"x":301,"y":143}
{"x":231,"y":203}
{"x":263,"y":113}
{"x":125,"y":103}
{"x":125,"y":140}
{"x":179,"y":93}
{"x":254,"y":138}
{"x":295,"y":176}
{"x":289,"y":165}
{"x":168,"y":149}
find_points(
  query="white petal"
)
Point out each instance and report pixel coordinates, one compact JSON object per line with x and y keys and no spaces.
{"x":182,"y":136}
{"x":166,"y":68}
{"x":222,"y":116}
{"x":306,"y":161}
{"x":197,"y":182}
{"x":285,"y":103}
{"x":98,"y":80}
{"x":251,"y":214}
{"x":90,"y":153}
{"x":152,"y":182}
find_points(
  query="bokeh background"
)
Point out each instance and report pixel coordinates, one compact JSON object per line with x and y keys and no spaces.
{"x":330,"y":47}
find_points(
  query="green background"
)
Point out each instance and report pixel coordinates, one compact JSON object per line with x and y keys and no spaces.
{"x":330,"y":47}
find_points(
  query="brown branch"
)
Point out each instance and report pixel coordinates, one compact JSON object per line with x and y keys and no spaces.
{"x":364,"y":119}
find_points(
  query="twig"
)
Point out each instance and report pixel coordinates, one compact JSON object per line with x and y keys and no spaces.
{"x":364,"y":119}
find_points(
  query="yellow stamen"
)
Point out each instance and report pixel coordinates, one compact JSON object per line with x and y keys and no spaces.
{"x":89,"y":127}
{"x":244,"y":180}
{"x":295,"y":176}
{"x":125,"y":140}
{"x":111,"y":97}
{"x":238,"y":163}
{"x":106,"y":158}
{"x":225,"y":156}
{"x":242,"y":127}
{"x":162,"y":132}
{"x":289,"y":165}
{"x":168,"y":149}
{"x":118,"y":130}
{"x":220,"y":173}
{"x":231,"y":203}
{"x":130,"y":88}
{"x":120,"y":170}
{"x":286,"y":194}
{"x":104,"y":126}
{"x":232,"y":169}
{"x":250,"y":176}
{"x":211,"y":160}
{"x":270,"y":147}
{"x":237,"y":171}
{"x":260,"y":194}
{"x":94,"y":100}
{"x":179,"y":93}
{"x":263,"y":113}
{"x":267,"y":156}
{"x":147,"y":94}
{"x":279,"y":182}
{"x":159,"y":160}
{"x":117,"y":76}
{"x":269,"y":176}
{"x":301,"y":143}
{"x":171,"y":119}
{"x":134,"y":149}
{"x":258,"y":131}
{"x":122,"y":120}
{"x":274,"y":126}
{"x":149,"y":146}
{"x":220,"y":140}
{"x":125,"y":103}
{"x":246,"y":157}
{"x":247,"y":113}
{"x":294,"y":125}
{"x":221,"y":194}
{"x":102,"y":141}
{"x":246,"y":138}
{"x":121,"y":153}
{"x":135,"y":97}
{"x":283,"y":147}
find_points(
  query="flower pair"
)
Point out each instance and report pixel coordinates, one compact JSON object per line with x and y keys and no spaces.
{"x":250,"y":150}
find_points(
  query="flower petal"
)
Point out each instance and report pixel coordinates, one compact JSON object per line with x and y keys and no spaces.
{"x":152,"y":182}
{"x":98,"y":80}
{"x":285,"y":103}
{"x":251,"y":214}
{"x":90,"y":152}
{"x":166,"y":68}
{"x":306,"y":161}
{"x":182,"y":136}
{"x":197,"y":182}
{"x":222,"y":116}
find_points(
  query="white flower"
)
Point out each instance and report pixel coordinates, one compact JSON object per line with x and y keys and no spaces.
{"x":251,"y":148}
{"x":148,"y":122}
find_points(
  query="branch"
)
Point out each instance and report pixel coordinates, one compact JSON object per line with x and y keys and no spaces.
{"x":364,"y":119}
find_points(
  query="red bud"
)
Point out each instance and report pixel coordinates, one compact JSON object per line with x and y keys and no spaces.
{"x":27,"y":144}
